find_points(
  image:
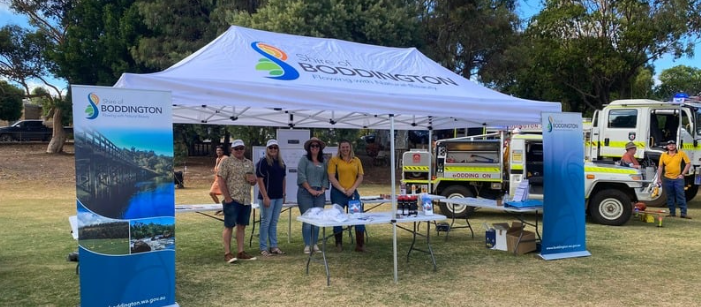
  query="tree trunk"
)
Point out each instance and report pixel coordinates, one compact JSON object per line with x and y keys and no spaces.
{"x":59,"y":135}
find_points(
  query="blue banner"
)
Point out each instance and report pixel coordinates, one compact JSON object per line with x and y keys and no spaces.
{"x":125,"y":196}
{"x":564,"y":231}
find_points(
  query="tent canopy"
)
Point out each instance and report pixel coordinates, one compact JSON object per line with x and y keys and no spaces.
{"x":259,"y":78}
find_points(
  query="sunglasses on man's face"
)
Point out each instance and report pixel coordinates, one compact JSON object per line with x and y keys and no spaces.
{"x":314,"y":146}
{"x":273,"y":148}
{"x":239,"y":148}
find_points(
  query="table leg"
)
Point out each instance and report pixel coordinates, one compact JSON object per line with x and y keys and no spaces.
{"x":428,"y":242}
{"x":415,"y":233}
{"x":289,"y":224}
{"x":253,"y":228}
{"x":452,"y":223}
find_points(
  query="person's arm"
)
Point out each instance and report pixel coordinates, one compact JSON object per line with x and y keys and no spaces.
{"x":260,"y":179}
{"x":358,"y":178}
{"x":688,"y":165}
{"x":284,"y":183}
{"x":659,"y":169}
{"x":223,"y":173}
{"x":332,"y":177}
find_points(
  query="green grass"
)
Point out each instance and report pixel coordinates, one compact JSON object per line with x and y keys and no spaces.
{"x":107,"y":246}
{"x":633,"y":265}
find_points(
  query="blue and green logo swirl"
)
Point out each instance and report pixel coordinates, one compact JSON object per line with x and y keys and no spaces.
{"x":274,"y":62}
{"x":550,"y":124}
{"x":92,"y":110}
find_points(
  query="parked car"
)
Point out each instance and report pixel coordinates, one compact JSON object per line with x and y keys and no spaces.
{"x":25,"y":130}
{"x":418,"y":136}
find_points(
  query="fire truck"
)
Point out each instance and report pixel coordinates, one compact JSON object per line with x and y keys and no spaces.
{"x":649,"y":124}
{"x":478,"y":167}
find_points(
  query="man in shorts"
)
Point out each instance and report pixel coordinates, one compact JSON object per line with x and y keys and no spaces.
{"x":236,"y":176}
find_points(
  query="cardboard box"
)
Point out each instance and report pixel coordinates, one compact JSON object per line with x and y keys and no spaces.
{"x":527,"y":241}
{"x":500,"y":230}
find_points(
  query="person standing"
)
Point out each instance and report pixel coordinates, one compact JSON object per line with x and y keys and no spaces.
{"x":312,"y":179}
{"x":236,"y":176}
{"x":270,"y":172}
{"x":628,"y":158}
{"x":214,"y":191}
{"x":673,"y":183}
{"x":345,"y":174}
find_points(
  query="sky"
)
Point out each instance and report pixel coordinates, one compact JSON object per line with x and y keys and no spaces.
{"x":526,"y":8}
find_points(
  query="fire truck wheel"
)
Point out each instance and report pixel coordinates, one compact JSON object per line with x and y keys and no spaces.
{"x":660,"y":202}
{"x":691,"y":192}
{"x":610,"y":207}
{"x":457,"y":210}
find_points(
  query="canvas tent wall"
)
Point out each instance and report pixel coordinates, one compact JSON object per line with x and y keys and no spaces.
{"x":258,"y":78}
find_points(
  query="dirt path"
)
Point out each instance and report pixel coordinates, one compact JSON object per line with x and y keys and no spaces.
{"x":30,"y":164}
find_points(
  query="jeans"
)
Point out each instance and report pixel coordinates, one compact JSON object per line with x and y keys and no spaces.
{"x":268,"y":223}
{"x":675,"y":191}
{"x":337,"y":197}
{"x":306,"y":201}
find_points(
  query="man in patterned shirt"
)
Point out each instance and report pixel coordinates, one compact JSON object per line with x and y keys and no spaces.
{"x":235,"y":177}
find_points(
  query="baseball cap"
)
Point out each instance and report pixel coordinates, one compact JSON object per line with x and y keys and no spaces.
{"x":671,"y":142}
{"x":237,"y":143}
{"x":271,"y":143}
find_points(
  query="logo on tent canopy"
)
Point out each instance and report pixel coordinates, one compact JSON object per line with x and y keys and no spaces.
{"x":274,"y":62}
{"x":91,"y":110}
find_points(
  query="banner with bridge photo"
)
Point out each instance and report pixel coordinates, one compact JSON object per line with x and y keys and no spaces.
{"x":125,"y":196}
{"x":564,"y":232}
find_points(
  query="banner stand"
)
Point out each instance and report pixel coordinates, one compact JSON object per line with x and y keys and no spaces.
{"x":564,"y":229}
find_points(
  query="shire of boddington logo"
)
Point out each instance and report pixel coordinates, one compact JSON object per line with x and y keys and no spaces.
{"x":92,"y":110}
{"x":274,"y":62}
{"x":559,"y":125}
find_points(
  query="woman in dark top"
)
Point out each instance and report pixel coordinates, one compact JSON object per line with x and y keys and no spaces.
{"x":270,"y":171}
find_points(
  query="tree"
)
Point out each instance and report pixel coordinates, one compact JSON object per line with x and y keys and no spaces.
{"x":679,"y":79}
{"x":469,"y":37}
{"x":385,"y":23}
{"x":10,"y":101}
{"x":591,"y":52}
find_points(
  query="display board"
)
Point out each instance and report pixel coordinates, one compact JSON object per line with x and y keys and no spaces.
{"x":125,"y":196}
{"x":291,"y":158}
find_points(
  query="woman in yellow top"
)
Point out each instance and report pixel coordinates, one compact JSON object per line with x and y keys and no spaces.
{"x":346,"y":174}
{"x":671,"y":162}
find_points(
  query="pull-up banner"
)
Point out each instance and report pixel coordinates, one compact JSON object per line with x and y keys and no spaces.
{"x":564,"y":231}
{"x":125,"y":196}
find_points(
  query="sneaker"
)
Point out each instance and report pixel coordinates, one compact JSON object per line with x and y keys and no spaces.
{"x":316,"y":248}
{"x":244,"y":256}
{"x":685,"y":217}
{"x":306,"y":249}
{"x":229,"y":258}
{"x":670,"y":215}
{"x":266,"y":253}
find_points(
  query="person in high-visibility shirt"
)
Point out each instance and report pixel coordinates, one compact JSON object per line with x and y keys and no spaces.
{"x":671,"y":162}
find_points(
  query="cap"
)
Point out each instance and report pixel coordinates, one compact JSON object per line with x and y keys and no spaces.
{"x":271,"y":143}
{"x":314,"y":140}
{"x":671,"y":142}
{"x":237,"y":143}
{"x":630,"y":145}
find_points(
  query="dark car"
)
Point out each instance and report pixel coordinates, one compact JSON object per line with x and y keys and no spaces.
{"x":418,"y":136}
{"x":25,"y":130}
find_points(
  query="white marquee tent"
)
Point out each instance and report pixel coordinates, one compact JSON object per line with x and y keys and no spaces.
{"x":258,"y":78}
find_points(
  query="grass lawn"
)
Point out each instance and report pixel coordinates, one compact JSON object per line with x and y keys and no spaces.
{"x":634,"y":265}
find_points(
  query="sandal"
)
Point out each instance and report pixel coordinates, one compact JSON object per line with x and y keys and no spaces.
{"x":276,"y":251}
{"x":265,"y":254}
